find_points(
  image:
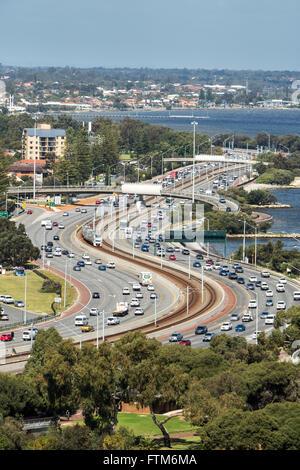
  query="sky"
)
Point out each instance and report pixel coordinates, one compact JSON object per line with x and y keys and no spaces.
{"x":211,"y":34}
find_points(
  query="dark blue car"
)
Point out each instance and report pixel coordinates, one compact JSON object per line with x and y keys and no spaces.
{"x":196,"y":264}
{"x":223,"y":272}
{"x":240,"y":327}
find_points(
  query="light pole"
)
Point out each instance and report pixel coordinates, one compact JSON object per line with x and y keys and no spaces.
{"x":25,"y":300}
{"x":34,"y":162}
{"x":194,"y":124}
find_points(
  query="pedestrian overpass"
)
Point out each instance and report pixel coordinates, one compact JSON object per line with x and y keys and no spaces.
{"x":206,"y":158}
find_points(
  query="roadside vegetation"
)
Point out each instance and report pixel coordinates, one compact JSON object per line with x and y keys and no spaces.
{"x":234,"y":395}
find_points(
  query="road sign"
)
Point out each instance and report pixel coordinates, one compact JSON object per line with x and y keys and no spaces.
{"x":4,"y":214}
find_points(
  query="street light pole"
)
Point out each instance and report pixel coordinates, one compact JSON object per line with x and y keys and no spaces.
{"x":25,"y":300}
{"x":194,"y":123}
{"x":244,"y":240}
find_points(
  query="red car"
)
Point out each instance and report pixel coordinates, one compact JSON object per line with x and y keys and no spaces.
{"x":55,"y":224}
{"x":172,"y":257}
{"x":209,"y":261}
{"x":29,"y":211}
{"x":185,"y":342}
{"x":6,"y":338}
{"x":97,"y":202}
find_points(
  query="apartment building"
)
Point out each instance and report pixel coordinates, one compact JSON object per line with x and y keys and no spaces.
{"x":38,"y":143}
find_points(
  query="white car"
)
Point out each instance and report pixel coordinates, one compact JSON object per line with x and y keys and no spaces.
{"x":264,"y":286}
{"x":281,"y":305}
{"x":153,"y":295}
{"x":136,"y":287}
{"x":217,"y":266}
{"x":61,"y":226}
{"x":282,"y":280}
{"x":7,"y":299}
{"x":57,"y":253}
{"x":177,"y":249}
{"x":252,"y":278}
{"x":110,"y":265}
{"x":139,"y":311}
{"x":270,"y":319}
{"x":252,"y":304}
{"x":255,"y":334}
{"x":94,"y":311}
{"x":71,"y":255}
{"x":85,"y":256}
{"x":269,"y":293}
{"x":113,"y":321}
{"x":226,"y":326}
{"x":126,"y":291}
{"x":30,"y":333}
{"x":280,"y":288}
{"x":247,"y":317}
{"x":87,"y":262}
{"x":150,"y":288}
{"x":265,"y":274}
{"x":134,"y":303}
{"x":139,"y":295}
{"x":208,"y":267}
{"x":65,"y":214}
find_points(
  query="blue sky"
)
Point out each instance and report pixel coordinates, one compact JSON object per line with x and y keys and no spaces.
{"x":232,"y":34}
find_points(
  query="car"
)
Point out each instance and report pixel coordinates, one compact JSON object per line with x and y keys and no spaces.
{"x":240,"y":327}
{"x":208,"y":336}
{"x":232,"y":275}
{"x":55,"y":224}
{"x":252,"y":279}
{"x":269,"y":302}
{"x":172,"y":257}
{"x":97,"y":202}
{"x":49,"y":243}
{"x":110,"y":265}
{"x":135,"y":303}
{"x":81,"y":264}
{"x":252,"y":303}
{"x":65,"y":214}
{"x":139,"y":295}
{"x":196,"y":264}
{"x":113,"y":321}
{"x":88,"y":262}
{"x":98,"y":261}
{"x":19,"y":303}
{"x":209,"y":261}
{"x":6,"y":337}
{"x":83,"y":210}
{"x":265,"y":274}
{"x":208,"y":267}
{"x":85,"y":256}
{"x":57,"y":253}
{"x":217,"y":267}
{"x":269,"y":320}
{"x":61,"y":226}
{"x":255,"y":334}
{"x":153,"y":295}
{"x":7,"y":299}
{"x":264,"y":286}
{"x":29,"y":211}
{"x":264,"y":315}
{"x":280,"y":287}
{"x":49,"y":255}
{"x":96,"y":295}
{"x":126,"y":291}
{"x":4,"y":317}
{"x":223,"y":272}
{"x":56,"y":237}
{"x":258,"y":283}
{"x":136,"y":287}
{"x":281,"y":305}
{"x":282,"y":280}
{"x":247,"y":317}
{"x":94,"y":311}
{"x":269,"y":293}
{"x":102,"y":267}
{"x":239,"y":269}
{"x":170,"y":249}
{"x":201,"y":330}
{"x":241,"y":280}
{"x":199,"y":256}
{"x":71,"y":255}
{"x":185,"y":251}
{"x":226,"y":326}
{"x":234,"y":317}
{"x":29,"y":334}
{"x":175,"y":337}
{"x":76,"y":268}
{"x":150,"y":288}
{"x":87,"y":328}
{"x":139,"y":311}
{"x":185,"y":342}
{"x":77,"y":209}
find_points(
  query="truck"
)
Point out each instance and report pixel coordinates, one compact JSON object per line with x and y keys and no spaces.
{"x":145,"y":278}
{"x":174,"y":174}
{"x":121,"y":309}
{"x":124,"y":223}
{"x":46,"y":222}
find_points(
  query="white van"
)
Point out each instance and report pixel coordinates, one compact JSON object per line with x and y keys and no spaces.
{"x":296,"y":295}
{"x":81,"y":320}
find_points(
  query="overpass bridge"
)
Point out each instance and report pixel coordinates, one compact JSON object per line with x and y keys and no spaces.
{"x":244,"y":159}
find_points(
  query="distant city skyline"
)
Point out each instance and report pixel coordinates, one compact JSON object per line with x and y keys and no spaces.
{"x":195,"y":34}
